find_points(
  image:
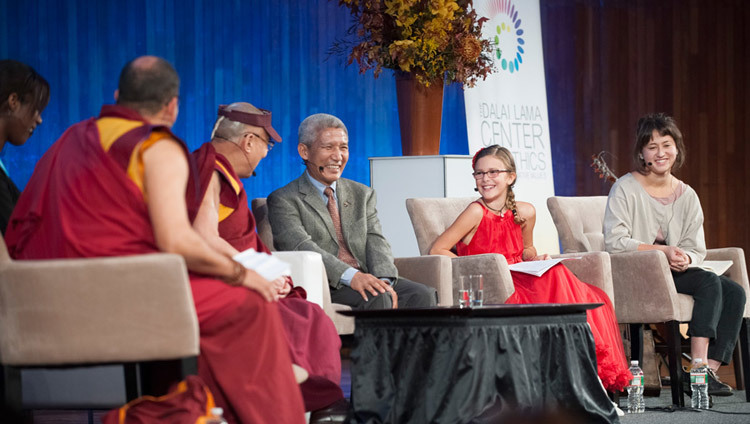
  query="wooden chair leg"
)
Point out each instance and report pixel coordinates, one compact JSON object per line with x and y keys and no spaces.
{"x":675,"y":362}
{"x":745,"y":354}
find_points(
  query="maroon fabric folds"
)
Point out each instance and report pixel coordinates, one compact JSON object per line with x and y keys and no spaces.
{"x":314,"y":343}
{"x":80,"y":203}
{"x":188,"y":402}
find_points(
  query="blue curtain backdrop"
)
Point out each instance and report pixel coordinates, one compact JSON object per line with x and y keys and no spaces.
{"x":269,"y":53}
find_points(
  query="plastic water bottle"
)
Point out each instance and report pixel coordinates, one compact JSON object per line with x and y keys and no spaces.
{"x":636,"y":405}
{"x":217,"y":416}
{"x":699,"y":386}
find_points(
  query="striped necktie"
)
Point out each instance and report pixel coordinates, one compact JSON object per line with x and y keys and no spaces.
{"x":344,"y":254}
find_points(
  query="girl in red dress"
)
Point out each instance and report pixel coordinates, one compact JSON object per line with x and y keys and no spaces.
{"x":496,"y":223}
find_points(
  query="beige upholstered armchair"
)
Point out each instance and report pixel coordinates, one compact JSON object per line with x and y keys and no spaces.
{"x":432,"y":271}
{"x":430,"y":217}
{"x":644,"y":289}
{"x":70,"y":313}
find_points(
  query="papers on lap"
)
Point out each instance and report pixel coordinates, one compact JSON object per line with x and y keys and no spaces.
{"x":537,"y":268}
{"x":717,"y":267}
{"x":264,"y":264}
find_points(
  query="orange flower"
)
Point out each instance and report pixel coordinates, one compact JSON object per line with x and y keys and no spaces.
{"x":470,"y":49}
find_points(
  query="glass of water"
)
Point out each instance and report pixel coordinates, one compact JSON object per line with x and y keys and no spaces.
{"x":476,"y":290}
{"x":464,"y":291}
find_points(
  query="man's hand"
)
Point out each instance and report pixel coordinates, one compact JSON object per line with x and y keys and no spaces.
{"x":394,"y":297}
{"x":678,"y":259}
{"x":266,"y":288}
{"x":364,"y":283}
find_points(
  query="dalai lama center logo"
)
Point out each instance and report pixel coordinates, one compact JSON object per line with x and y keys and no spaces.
{"x":506,"y":35}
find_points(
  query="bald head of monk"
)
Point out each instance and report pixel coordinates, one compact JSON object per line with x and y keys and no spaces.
{"x":151,"y":86}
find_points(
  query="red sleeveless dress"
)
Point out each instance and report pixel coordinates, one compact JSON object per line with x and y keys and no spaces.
{"x":500,"y":234}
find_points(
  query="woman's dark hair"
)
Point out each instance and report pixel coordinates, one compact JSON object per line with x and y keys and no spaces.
{"x":22,"y":79}
{"x":664,"y":125}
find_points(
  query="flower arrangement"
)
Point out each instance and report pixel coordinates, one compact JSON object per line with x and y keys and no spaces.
{"x":433,"y":39}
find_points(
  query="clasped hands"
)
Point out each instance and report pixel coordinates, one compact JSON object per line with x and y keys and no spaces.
{"x":272,"y":290}
{"x":677,"y":258}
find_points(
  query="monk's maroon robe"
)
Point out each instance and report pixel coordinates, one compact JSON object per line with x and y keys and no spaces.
{"x":314,"y":343}
{"x":81,"y":201}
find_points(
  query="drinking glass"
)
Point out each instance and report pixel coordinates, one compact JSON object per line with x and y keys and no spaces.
{"x":476,"y":290}
{"x":464,"y":291}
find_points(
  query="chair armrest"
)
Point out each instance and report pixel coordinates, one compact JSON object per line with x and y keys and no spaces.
{"x":307,"y":272}
{"x":344,"y":325}
{"x":498,"y":283}
{"x":737,"y":272}
{"x":644,"y":288}
{"x":75,"y":311}
{"x":432,"y":271}
{"x":593,"y":268}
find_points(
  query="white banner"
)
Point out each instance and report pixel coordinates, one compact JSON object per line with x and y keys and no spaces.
{"x":509,"y":108}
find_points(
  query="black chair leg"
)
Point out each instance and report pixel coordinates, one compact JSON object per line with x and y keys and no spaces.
{"x":188,"y":366}
{"x":10,"y":389}
{"x":11,"y":409}
{"x":636,"y":343}
{"x":132,"y":386}
{"x":739,"y":369}
{"x":675,"y":362}
{"x":157,"y":377}
{"x":745,"y":354}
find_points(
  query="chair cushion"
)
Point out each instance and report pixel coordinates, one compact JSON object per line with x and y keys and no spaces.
{"x":579,"y":221}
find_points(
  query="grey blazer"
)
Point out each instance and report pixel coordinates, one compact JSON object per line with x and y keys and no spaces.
{"x":300,"y":221}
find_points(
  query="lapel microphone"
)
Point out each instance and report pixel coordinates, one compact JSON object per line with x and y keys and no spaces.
{"x":476,"y":189}
{"x":649,"y":163}
{"x":320,"y":169}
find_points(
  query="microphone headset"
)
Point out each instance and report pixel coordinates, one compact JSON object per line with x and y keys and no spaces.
{"x":647,"y":163}
{"x":320,"y":168}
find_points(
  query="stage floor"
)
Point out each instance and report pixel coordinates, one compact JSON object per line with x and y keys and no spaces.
{"x":729,"y":410}
{"x":726,"y":410}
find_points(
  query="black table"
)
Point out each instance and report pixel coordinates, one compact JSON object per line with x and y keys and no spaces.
{"x":451,"y":365}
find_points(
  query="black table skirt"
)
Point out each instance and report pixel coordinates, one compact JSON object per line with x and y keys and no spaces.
{"x":452,"y":369}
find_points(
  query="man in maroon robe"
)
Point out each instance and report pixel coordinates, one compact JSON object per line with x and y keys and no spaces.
{"x":242,"y":137}
{"x":115,"y":185}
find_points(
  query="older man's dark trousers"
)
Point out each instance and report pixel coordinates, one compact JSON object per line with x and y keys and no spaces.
{"x":410,"y":295}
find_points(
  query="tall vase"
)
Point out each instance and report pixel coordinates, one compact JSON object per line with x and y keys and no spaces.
{"x":420,"y":111}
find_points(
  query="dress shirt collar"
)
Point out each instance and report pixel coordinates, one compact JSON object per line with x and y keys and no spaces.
{"x":321,"y":187}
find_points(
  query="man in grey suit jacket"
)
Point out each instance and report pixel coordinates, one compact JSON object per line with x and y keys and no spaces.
{"x":362,"y":273}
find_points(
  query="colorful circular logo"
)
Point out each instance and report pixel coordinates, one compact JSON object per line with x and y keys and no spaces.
{"x":508,"y":39}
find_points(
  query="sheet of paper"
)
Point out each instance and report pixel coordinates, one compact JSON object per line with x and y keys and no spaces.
{"x":717,"y":267}
{"x":537,"y":268}
{"x":268,"y":266}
